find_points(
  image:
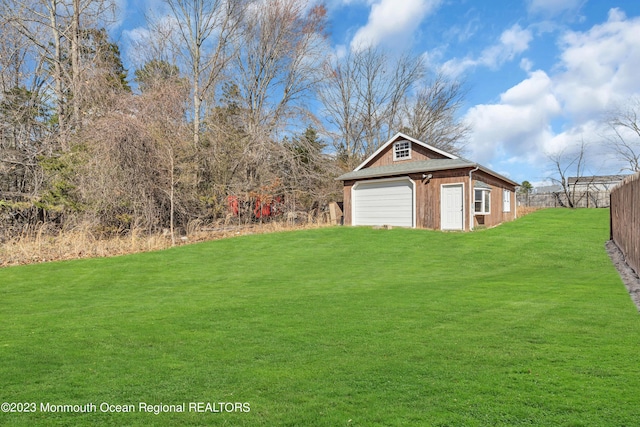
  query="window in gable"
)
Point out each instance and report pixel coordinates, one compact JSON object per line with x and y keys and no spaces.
{"x":402,"y":150}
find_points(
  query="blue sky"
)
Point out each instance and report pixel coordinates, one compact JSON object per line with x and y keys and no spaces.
{"x":541,"y":74}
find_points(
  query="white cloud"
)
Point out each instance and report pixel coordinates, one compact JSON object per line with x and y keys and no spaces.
{"x":553,"y":7}
{"x":143,"y":44}
{"x":515,"y":40}
{"x":596,"y":70}
{"x":390,"y":19}
{"x":512,"y":42}
{"x":519,"y":124}
{"x":466,"y":33}
{"x":135,"y":41}
{"x":340,"y":51}
{"x":456,"y":67}
{"x":526,"y":64}
{"x":530,"y":91}
{"x":599,"y":67}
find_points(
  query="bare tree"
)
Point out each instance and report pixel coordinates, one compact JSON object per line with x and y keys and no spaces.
{"x":339,"y":96}
{"x":23,"y":114}
{"x":431,"y":115}
{"x":205,"y":29}
{"x":139,"y":161}
{"x":163,"y":118}
{"x":39,"y":22}
{"x":53,"y":27}
{"x":568,"y":165}
{"x":279,"y":51}
{"x":626,"y":141}
{"x":104,"y":81}
{"x":308,"y":174}
{"x":362,"y":96}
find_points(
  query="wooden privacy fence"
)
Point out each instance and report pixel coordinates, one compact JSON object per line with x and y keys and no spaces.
{"x":625,"y":219}
{"x":582,"y":199}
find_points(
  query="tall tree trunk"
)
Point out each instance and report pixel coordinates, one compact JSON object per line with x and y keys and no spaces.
{"x":75,"y":62}
{"x":172,"y":199}
{"x":58,"y":75}
{"x":197,"y":100}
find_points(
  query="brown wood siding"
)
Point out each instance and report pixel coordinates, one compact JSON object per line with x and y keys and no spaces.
{"x":346,"y":206}
{"x":418,"y":153}
{"x":496,"y":215}
{"x":428,"y":199}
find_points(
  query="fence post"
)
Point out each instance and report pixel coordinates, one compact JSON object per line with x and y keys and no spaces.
{"x":610,"y":219}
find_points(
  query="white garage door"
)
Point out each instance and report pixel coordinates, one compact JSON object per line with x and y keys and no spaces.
{"x":388,"y":202}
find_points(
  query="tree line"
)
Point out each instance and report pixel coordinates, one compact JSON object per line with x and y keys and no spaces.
{"x":242,"y":99}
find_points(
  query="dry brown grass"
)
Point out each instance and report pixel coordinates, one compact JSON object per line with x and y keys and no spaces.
{"x":40,"y":244}
{"x":525,"y":210}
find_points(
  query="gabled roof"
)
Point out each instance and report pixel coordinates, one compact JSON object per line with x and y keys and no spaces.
{"x":404,"y":168}
{"x":407,"y":167}
{"x":400,"y":135}
{"x":451,"y":162}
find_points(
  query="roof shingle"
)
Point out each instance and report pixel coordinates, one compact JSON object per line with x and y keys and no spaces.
{"x":407,"y":167}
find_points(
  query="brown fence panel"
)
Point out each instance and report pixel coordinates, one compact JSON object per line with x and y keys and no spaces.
{"x":589,"y":199}
{"x":625,"y":219}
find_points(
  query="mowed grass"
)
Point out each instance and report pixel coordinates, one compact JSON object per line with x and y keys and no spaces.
{"x":524,"y":324}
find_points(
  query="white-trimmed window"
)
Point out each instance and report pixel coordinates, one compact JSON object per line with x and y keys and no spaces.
{"x":402,"y":150}
{"x":506,"y":201}
{"x":482,"y":201}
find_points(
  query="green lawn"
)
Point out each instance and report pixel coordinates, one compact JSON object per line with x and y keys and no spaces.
{"x":524,"y":324}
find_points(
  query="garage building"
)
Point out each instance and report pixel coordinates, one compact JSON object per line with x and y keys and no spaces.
{"x":408,"y":183}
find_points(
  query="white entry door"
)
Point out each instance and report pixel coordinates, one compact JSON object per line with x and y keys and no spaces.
{"x":452,"y":207}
